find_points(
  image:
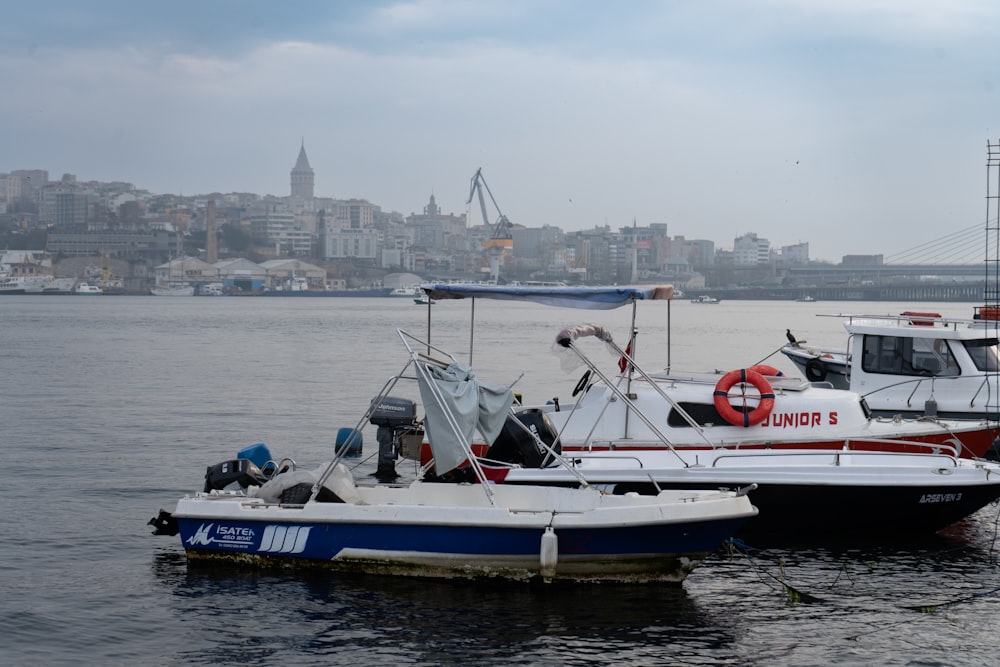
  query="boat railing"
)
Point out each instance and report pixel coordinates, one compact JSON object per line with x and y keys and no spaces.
{"x":853,"y":444}
{"x":918,"y":381}
{"x":422,"y":357}
{"x":838,"y":457}
{"x":566,"y":337}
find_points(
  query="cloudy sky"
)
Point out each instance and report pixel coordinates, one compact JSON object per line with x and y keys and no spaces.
{"x":859,"y":126}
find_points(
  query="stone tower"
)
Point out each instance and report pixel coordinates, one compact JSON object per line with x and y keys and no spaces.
{"x":302,"y":176}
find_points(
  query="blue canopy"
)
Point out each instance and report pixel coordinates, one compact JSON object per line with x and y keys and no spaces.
{"x":593,"y":298}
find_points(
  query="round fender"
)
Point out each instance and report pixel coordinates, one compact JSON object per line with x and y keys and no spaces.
{"x":815,"y":370}
{"x":738,"y":417}
{"x":769,"y":371}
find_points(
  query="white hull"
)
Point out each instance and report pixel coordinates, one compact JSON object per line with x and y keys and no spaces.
{"x":450,"y":530}
{"x":172,"y":291}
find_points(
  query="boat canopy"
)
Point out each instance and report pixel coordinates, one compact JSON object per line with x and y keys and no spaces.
{"x":592,"y":298}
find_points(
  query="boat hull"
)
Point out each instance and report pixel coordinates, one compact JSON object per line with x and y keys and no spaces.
{"x":809,"y":493}
{"x":636,"y":541}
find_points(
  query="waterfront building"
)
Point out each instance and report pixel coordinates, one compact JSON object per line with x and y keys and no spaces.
{"x":751,"y":250}
{"x":186,"y":270}
{"x":241,"y":275}
{"x":350,"y":243}
{"x":286,"y":274}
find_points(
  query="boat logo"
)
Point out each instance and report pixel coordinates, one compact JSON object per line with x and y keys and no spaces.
{"x":200,"y":537}
{"x":232,"y":537}
{"x":274,"y":539}
{"x":284,"y":539}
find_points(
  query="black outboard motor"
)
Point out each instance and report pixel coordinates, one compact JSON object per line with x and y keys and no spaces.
{"x":393,"y":416}
{"x":241,"y":472}
{"x":516,"y":445}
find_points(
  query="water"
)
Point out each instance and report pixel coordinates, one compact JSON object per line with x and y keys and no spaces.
{"x":113,"y":406}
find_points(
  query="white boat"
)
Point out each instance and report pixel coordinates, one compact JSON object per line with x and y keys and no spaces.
{"x":87,"y":288}
{"x":59,"y":286}
{"x":754,"y":407}
{"x":512,"y":531}
{"x":821,"y":465}
{"x":409,"y":291}
{"x":33,"y":284}
{"x":172,"y":290}
{"x":912,"y":364}
{"x":705,"y":299}
{"x":210,"y":289}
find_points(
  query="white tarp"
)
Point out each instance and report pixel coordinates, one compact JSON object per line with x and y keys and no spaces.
{"x":473,"y":404}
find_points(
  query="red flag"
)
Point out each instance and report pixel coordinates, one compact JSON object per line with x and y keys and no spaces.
{"x":623,"y":362}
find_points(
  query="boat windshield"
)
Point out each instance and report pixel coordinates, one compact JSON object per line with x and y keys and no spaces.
{"x":984,"y":353}
{"x":903,"y":355}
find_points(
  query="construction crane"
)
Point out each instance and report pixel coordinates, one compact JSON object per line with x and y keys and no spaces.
{"x":500,"y":240}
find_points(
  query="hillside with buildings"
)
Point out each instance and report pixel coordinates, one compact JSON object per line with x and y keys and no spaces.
{"x":75,"y":226}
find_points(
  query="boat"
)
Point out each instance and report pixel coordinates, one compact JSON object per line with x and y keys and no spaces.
{"x":210,"y":289}
{"x":172,"y":290}
{"x":912,"y":364}
{"x":422,"y":301}
{"x":59,"y":286}
{"x":322,"y":517}
{"x":828,"y":473}
{"x":806,"y":299}
{"x":705,"y":299}
{"x":409,"y":291}
{"x":755,"y":407}
{"x":30,"y":284}
{"x":87,"y":288}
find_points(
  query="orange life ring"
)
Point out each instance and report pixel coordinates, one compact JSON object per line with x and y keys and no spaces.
{"x":740,"y":417}
{"x":769,"y":371}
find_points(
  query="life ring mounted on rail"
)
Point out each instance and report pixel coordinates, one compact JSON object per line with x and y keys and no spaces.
{"x":764,"y":369}
{"x":744,"y":417}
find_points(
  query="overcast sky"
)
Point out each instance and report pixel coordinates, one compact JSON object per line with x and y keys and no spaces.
{"x":859,"y":126}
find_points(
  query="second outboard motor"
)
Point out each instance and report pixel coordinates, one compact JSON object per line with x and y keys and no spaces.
{"x":517,"y":445}
{"x":232,"y":474}
{"x":393,"y":416}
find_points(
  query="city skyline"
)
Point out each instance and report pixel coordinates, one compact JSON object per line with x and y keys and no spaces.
{"x":859,"y":128}
{"x":957,"y":247}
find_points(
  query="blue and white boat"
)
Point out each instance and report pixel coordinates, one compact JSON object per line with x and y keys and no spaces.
{"x":479,"y":529}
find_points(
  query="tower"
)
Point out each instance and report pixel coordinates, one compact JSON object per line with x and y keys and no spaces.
{"x":303,"y":178}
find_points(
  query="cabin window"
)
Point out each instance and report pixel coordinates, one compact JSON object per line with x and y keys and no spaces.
{"x":702,"y":413}
{"x":902,"y":355}
{"x":983,"y":353}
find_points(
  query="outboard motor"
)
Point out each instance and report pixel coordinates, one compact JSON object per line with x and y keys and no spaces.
{"x":238,"y":473}
{"x":515,"y":444}
{"x":393,"y":416}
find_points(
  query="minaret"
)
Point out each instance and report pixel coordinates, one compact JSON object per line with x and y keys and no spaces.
{"x":302,"y":175}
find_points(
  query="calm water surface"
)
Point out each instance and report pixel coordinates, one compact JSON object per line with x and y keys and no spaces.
{"x":114,"y":406}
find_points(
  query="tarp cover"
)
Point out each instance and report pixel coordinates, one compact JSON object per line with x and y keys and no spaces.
{"x":474,"y":405}
{"x":594,"y":298}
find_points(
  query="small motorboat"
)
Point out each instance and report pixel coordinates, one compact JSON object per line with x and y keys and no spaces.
{"x":278,"y":514}
{"x":87,"y":288}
